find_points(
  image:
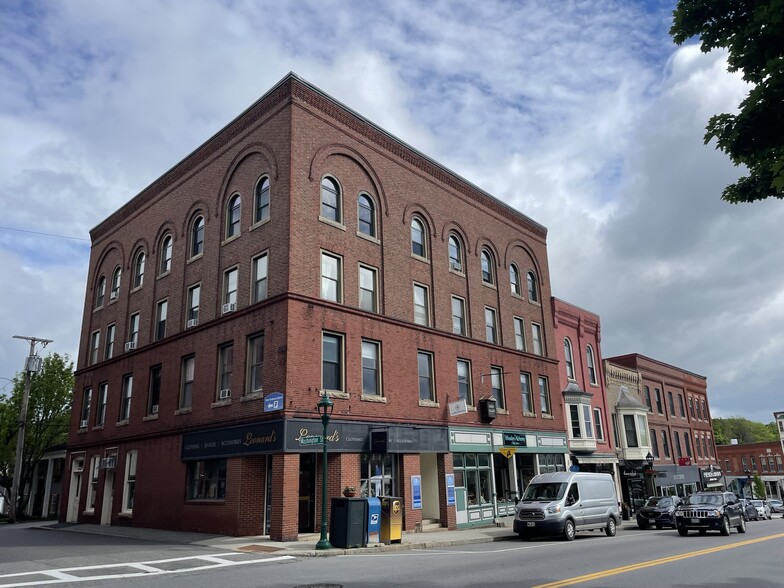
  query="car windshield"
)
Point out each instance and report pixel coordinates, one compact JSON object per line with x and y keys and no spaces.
{"x":704,"y":499}
{"x":756,"y":503}
{"x":659,"y":501}
{"x":548,"y":491}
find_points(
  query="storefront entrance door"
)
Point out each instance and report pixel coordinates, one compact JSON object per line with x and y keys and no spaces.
{"x":307,"y":492}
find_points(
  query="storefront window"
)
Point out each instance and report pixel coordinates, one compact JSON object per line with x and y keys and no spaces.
{"x":378,"y":475}
{"x":472,"y":471}
{"x":551,"y":462}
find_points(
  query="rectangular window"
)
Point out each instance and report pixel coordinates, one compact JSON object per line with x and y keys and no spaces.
{"x":87,"y":398}
{"x":368,"y":300}
{"x":704,"y":410}
{"x":727,"y":465}
{"x":256,"y":363}
{"x":642,"y":427}
{"x":194,"y":296}
{"x":497,"y":386}
{"x":597,"y":423}
{"x":100,"y":414}
{"x":109,"y":349}
{"x":425,"y":370}
{"x":648,"y":399}
{"x":536,"y":334}
{"x":206,"y":480}
{"x":225,"y":367}
{"x":331,"y":277}
{"x":133,"y":329}
{"x":655,"y":444}
{"x":125,"y":400}
{"x":186,"y":381}
{"x":95,"y":343}
{"x":155,"y":390}
{"x":698,"y":448}
{"x":630,"y":430}
{"x":659,"y":408}
{"x":544,"y":396}
{"x":95,"y":467}
{"x":464,"y":388}
{"x":665,"y":444}
{"x":160,"y":319}
{"x":681,"y":406}
{"x":574,"y":418}
{"x":230,"y":289}
{"x":130,"y":482}
{"x":332,"y":361}
{"x":743,"y":464}
{"x":615,"y":429}
{"x":671,"y":401}
{"x":490,"y":325}
{"x":691,"y":407}
{"x":458,"y":316}
{"x":260,"y":277}
{"x":519,"y":325}
{"x":587,"y":421}
{"x":525,"y":391}
{"x":371,"y":374}
{"x":687,"y":443}
{"x":421,"y":305}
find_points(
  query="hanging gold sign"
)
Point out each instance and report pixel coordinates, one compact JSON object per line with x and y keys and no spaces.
{"x":507,"y":452}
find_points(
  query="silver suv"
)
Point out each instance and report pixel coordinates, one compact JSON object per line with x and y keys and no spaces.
{"x":710,"y":511}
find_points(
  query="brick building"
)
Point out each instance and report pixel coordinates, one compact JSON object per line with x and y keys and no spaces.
{"x":739,"y":461}
{"x":578,"y":339}
{"x":302,"y":251}
{"x":680,"y":432}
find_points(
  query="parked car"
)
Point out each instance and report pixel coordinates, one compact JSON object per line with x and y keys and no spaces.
{"x":658,"y":511}
{"x":763,"y":508}
{"x":776,"y":506}
{"x":749,"y":510}
{"x":710,"y":511}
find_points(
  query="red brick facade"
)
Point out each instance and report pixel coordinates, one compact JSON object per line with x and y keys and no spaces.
{"x":295,"y":136}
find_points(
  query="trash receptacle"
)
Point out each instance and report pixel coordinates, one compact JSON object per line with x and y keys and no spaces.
{"x":374,"y":519}
{"x":391,"y":519}
{"x":348,"y":523}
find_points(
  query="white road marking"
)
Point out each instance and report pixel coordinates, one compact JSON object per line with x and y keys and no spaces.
{"x":146,"y":569}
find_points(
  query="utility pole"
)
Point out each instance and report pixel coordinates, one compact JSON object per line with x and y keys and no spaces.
{"x":32,"y":365}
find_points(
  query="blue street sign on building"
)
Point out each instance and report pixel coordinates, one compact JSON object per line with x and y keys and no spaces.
{"x":273,"y":402}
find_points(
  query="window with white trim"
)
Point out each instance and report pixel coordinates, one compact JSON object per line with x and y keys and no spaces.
{"x":590,"y":362}
{"x":166,"y":255}
{"x":464,"y":388}
{"x":138,"y":270}
{"x":368,"y":298}
{"x":597,"y":424}
{"x":95,"y":468}
{"x":331,"y":279}
{"x":427,"y":391}
{"x":100,"y":292}
{"x":455,"y":247}
{"x":129,"y":485}
{"x":371,"y":368}
{"x":87,"y":397}
{"x":197,"y":236}
{"x":332,"y":362}
{"x":581,"y":420}
{"x":230,"y":278}
{"x":458,"y":316}
{"x":95,"y":343}
{"x":256,"y":363}
{"x":125,"y":399}
{"x":421,"y":305}
{"x":133,"y":329}
{"x":418,"y":242}
{"x":260,"y":277}
{"x":514,"y":279}
{"x":262,"y":203}
{"x":568,"y":359}
{"x":160,"y":319}
{"x":194,"y":297}
{"x":491,"y":331}
{"x":366,"y":215}
{"x":544,"y":396}
{"x":488,"y":274}
{"x":206,"y":480}
{"x":116,"y":279}
{"x":103,"y":396}
{"x":526,"y":393}
{"x":154,"y":396}
{"x":330,"y":200}
{"x":187,"y":374}
{"x":536,"y":335}
{"x":233,"y":214}
{"x":225,"y":368}
{"x":533,"y":290}
{"x":497,"y":386}
{"x":519,"y":333}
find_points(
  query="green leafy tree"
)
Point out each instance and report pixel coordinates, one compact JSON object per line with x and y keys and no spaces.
{"x":751,"y":31}
{"x":48,"y":416}
{"x":759,"y":488}
{"x":744,"y":430}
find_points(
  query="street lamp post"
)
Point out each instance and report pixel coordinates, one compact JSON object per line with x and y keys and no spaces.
{"x":748,"y":481}
{"x":325,"y":407}
{"x":650,"y":472}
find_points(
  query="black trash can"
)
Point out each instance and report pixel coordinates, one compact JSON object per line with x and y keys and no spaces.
{"x":348,"y":524}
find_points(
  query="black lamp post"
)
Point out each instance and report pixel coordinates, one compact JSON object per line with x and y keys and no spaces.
{"x":649,"y":461}
{"x":325,"y":407}
{"x":747,"y":471}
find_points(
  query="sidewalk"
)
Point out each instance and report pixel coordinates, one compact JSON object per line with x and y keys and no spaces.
{"x":305,"y":546}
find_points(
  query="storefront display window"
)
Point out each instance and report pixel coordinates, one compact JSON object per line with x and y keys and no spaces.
{"x":472,"y":471}
{"x":378,"y":475}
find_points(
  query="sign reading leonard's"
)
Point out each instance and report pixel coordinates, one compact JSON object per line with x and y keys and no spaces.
{"x":233,"y":441}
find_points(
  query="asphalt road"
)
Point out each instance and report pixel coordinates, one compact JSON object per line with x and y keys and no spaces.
{"x":642,"y":559}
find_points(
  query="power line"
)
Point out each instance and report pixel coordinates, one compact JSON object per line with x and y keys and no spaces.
{"x":44,"y":234}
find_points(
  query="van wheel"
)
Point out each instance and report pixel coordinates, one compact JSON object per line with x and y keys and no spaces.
{"x":725,"y":526}
{"x":610,"y":529}
{"x":568,"y":531}
{"x":742,"y":527}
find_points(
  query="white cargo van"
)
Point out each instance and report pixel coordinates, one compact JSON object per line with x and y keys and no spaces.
{"x":566,"y":502}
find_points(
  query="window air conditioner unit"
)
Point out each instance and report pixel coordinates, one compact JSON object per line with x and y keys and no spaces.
{"x":229,"y":307}
{"x":130,"y":345}
{"x":83,"y":424}
{"x":109,"y":463}
{"x":154,"y":409}
{"x":224,"y":394}
{"x":113,"y":295}
{"x":456,"y":265}
{"x":191,"y":323}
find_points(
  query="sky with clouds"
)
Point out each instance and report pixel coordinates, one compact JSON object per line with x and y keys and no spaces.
{"x":583,"y":115}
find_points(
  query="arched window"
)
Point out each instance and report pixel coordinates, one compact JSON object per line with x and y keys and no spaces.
{"x":197,"y":236}
{"x":487,"y":267}
{"x":262,"y":200}
{"x":514,"y":279}
{"x":568,"y":359}
{"x":100,"y":292}
{"x":455,"y":254}
{"x":366,"y":211}
{"x":138,"y":270}
{"x":116,"y":276}
{"x":330,"y":200}
{"x":533,"y":292}
{"x":418,"y":247}
{"x":591,"y":364}
{"x":166,"y":254}
{"x":233,"y":213}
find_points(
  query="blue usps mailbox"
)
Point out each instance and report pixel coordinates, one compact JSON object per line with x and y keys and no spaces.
{"x":374,"y":519}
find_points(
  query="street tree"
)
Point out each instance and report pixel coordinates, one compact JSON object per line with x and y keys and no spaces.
{"x":751,"y":32}
{"x":744,"y":430}
{"x":48,"y":418}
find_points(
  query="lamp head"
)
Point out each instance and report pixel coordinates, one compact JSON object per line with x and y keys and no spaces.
{"x":649,"y":459}
{"x":325,"y":406}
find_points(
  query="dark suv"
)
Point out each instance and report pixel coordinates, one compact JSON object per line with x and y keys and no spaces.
{"x":659,"y":511}
{"x":710,"y":511}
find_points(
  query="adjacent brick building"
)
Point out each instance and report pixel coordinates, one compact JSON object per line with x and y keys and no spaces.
{"x":304,"y":251}
{"x":742,"y":461}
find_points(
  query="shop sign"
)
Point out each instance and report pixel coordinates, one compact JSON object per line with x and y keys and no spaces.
{"x":515,"y":439}
{"x":458,"y":407}
{"x":416,"y":492}
{"x":231,"y":441}
{"x":507,"y":452}
{"x":684,"y":461}
{"x":273,"y":402}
